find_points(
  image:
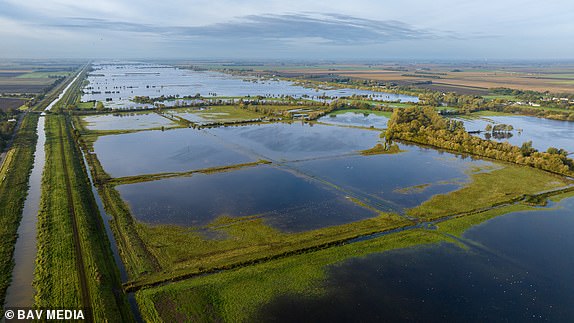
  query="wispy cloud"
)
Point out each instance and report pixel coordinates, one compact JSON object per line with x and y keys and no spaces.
{"x":330,"y":28}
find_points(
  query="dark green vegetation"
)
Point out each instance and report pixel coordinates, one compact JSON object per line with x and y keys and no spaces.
{"x":382,"y":149}
{"x":8,"y":121}
{"x":425,"y":126}
{"x":14,"y":175}
{"x":74,"y":266}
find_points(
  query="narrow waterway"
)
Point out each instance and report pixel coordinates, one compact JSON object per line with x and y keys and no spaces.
{"x":49,"y":107}
{"x":21,"y":292}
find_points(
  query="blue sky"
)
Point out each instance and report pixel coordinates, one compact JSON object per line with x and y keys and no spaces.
{"x":255,"y":29}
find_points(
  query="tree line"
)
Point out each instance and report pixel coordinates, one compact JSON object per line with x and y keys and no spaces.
{"x":424,"y":125}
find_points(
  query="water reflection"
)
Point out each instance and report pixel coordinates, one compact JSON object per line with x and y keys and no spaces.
{"x":543,"y":133}
{"x":285,"y":201}
{"x":522,"y":273}
{"x":356,"y":119}
{"x":117,"y":83}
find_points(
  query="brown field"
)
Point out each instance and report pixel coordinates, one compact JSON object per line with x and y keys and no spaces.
{"x":24,"y":85}
{"x":11,"y":103}
{"x":468,"y":80}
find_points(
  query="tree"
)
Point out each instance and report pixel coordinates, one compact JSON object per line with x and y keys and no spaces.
{"x":526,"y":149}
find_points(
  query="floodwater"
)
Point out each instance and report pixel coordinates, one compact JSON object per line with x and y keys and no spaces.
{"x":285,"y":142}
{"x":543,"y":133}
{"x":21,"y":292}
{"x":517,"y":268}
{"x":132,"y":121}
{"x":121,"y":81}
{"x":359,"y":119}
{"x":400,"y":181}
{"x":282,"y":199}
{"x":156,"y":151}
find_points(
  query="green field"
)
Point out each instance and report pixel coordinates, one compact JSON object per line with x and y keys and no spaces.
{"x":40,"y":75}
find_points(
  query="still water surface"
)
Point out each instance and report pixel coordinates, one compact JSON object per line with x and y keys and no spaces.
{"x":520,"y":271}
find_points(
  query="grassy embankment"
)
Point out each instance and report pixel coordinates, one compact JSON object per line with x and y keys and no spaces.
{"x":14,"y":177}
{"x":74,"y":265}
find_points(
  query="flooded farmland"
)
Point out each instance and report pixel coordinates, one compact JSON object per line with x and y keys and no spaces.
{"x":543,"y":133}
{"x":315,"y":224}
{"x":157,"y":151}
{"x":503,"y":267}
{"x":358,"y":118}
{"x":116,"y":83}
{"x":135,"y":121}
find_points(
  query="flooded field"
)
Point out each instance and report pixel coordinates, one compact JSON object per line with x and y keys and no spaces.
{"x":504,"y":269}
{"x":287,"y":142}
{"x":283,"y":200}
{"x":157,"y":151}
{"x":543,"y":133}
{"x":211,"y":114}
{"x":116,"y":83}
{"x":401,"y":180}
{"x":133,"y":121}
{"x":360,"y":119}
{"x":418,"y":275}
{"x":315,"y":229}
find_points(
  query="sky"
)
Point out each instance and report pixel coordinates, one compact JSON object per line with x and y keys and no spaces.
{"x":295,"y":29}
